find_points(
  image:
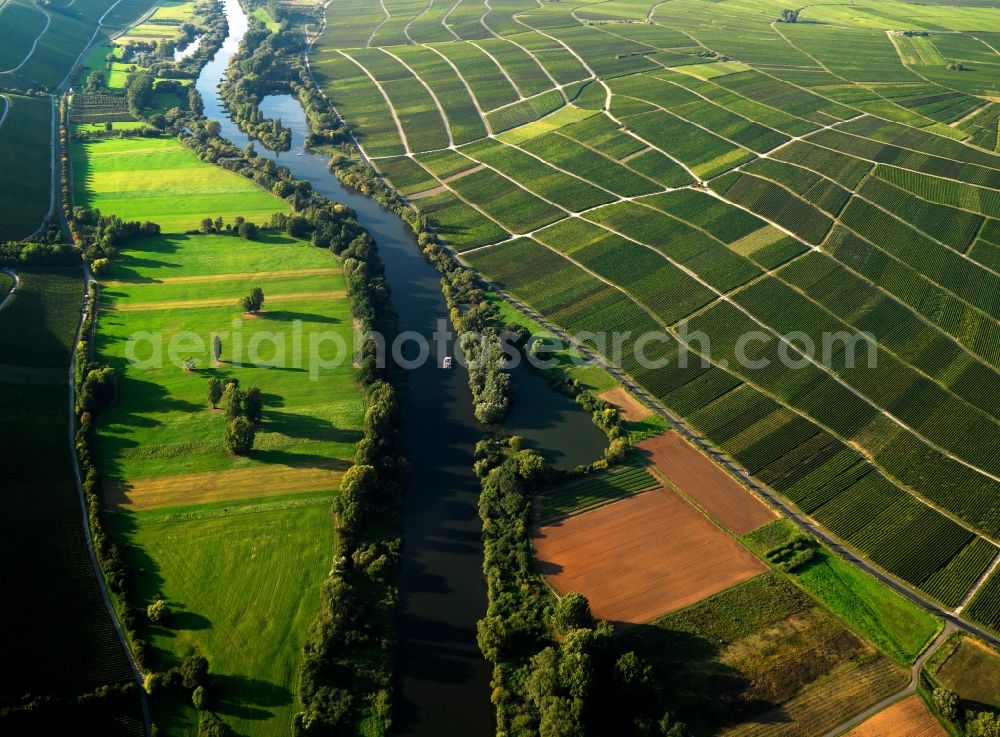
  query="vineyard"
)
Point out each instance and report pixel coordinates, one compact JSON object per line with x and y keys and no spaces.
{"x":714,"y":171}
{"x":96,"y":107}
{"x":598,"y":489}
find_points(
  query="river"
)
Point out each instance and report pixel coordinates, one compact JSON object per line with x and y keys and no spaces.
{"x":443,"y":680}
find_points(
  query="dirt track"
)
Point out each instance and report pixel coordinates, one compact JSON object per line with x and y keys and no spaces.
{"x":641,"y":557}
{"x":906,"y":718}
{"x":709,"y":486}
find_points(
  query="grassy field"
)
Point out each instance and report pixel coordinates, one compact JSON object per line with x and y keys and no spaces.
{"x":859,"y":448}
{"x":25,"y":165}
{"x":243,"y":583}
{"x":236,"y":545}
{"x":760,"y":653}
{"x":41,"y":524}
{"x":970,"y":669}
{"x":895,"y":625}
{"x":158,"y":179}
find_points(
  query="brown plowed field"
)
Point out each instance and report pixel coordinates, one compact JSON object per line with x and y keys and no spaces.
{"x":709,"y":486}
{"x":631,"y":408}
{"x":906,"y":718}
{"x":641,"y":557}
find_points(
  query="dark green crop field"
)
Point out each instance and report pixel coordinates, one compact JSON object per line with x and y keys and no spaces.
{"x":662,"y":167}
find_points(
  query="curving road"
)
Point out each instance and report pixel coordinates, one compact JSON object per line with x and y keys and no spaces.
{"x":48,"y":22}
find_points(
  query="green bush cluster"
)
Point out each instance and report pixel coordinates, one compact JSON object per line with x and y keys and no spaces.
{"x":555,"y":671}
{"x":95,"y":386}
{"x":795,"y":553}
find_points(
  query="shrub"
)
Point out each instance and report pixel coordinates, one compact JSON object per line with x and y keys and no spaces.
{"x":158,"y":612}
{"x":239,"y":436}
{"x":194,"y":672}
{"x":199,"y":697}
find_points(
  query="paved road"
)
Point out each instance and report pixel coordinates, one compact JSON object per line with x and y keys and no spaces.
{"x":6,"y":297}
{"x":899,"y":696}
{"x":741,"y":474}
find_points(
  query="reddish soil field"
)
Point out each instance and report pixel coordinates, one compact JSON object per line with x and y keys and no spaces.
{"x":906,"y":718}
{"x":631,"y":408}
{"x":641,"y":557}
{"x":709,"y":486}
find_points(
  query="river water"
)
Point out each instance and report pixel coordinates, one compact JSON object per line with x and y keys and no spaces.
{"x":443,"y":680}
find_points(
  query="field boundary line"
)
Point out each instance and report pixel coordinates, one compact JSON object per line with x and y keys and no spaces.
{"x":388,"y":15}
{"x":468,"y":89}
{"x":484,"y":24}
{"x":970,"y":594}
{"x":399,"y":126}
{"x":48,"y":22}
{"x":414,"y":19}
{"x":444,"y":21}
{"x":6,"y":109}
{"x":437,"y":102}
{"x":504,"y":72}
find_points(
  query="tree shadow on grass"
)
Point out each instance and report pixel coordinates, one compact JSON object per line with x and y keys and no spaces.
{"x":248,"y":698}
{"x":706,"y":693}
{"x":304,"y":427}
{"x":289,"y":315}
{"x":300,"y":460}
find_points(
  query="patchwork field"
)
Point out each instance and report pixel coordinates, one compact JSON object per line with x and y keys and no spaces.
{"x":709,"y":486}
{"x":907,"y":718}
{"x":762,"y":658}
{"x":971,"y":670}
{"x":713,"y":170}
{"x":158,"y":179}
{"x":237,"y":545}
{"x":641,"y":557}
{"x":25,"y":164}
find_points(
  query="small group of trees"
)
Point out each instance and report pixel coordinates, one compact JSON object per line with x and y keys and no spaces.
{"x":789,"y":15}
{"x":244,"y":411}
{"x":243,"y":228}
{"x":253,"y":301}
{"x":977,"y":724}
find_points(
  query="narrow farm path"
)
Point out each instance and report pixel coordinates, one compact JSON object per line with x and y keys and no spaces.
{"x":388,"y":102}
{"x":414,"y":19}
{"x":978,"y":585}
{"x":48,"y":22}
{"x":6,"y":298}
{"x":376,"y":29}
{"x":503,"y":71}
{"x":465,"y":83}
{"x":71,"y":409}
{"x":898,"y":696}
{"x":437,"y":102}
{"x":6,"y":109}
{"x":444,"y":21}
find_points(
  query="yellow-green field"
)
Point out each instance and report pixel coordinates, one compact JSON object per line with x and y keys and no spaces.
{"x":158,"y":179}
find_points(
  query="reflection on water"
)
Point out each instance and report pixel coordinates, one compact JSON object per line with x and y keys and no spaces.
{"x":443,"y":680}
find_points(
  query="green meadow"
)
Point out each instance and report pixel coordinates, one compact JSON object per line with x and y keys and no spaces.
{"x":158,"y":179}
{"x":243,"y":581}
{"x":236,"y":545}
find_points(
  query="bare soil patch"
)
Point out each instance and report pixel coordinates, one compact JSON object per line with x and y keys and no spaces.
{"x":906,"y":718}
{"x":631,"y":408}
{"x":219,"y":486}
{"x":709,"y":486}
{"x":641,"y":557}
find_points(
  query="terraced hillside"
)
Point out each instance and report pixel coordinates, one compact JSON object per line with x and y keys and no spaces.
{"x":701,"y":170}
